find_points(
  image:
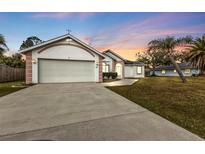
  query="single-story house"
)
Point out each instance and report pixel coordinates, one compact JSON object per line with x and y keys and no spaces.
{"x":186,"y":68}
{"x":63,"y":59}
{"x":68,"y":59}
{"x":124,"y":68}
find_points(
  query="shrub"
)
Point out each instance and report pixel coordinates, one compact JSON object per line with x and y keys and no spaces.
{"x":104,"y":75}
{"x":114,"y":75}
{"x":107,"y":75}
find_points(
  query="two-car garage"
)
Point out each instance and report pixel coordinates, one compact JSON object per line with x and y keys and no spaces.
{"x":59,"y":71}
{"x":63,"y":59}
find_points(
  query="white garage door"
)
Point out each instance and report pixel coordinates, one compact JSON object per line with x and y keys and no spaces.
{"x":57,"y":71}
{"x":129,"y":71}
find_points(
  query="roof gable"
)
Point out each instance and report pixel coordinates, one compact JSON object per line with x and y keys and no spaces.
{"x":106,"y":55}
{"x":113,"y":55}
{"x":69,"y":36}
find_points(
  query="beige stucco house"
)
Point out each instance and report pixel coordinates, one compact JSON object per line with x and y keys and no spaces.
{"x":68,"y":59}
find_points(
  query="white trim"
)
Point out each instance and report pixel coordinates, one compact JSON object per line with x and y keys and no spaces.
{"x":139,"y":70}
{"x":60,"y":38}
{"x":81,"y":55}
{"x":113,"y":55}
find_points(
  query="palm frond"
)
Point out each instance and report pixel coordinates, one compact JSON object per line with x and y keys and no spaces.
{"x":3,"y":45}
{"x":197,"y":53}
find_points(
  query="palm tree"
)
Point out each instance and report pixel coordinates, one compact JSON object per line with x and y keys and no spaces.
{"x":3,"y":46}
{"x":196,"y":53}
{"x":169,"y":45}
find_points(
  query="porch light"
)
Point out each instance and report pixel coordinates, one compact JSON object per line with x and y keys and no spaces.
{"x":34,"y":61}
{"x":97,"y":64}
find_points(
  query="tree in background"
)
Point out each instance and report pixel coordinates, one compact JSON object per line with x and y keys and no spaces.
{"x":30,"y":41}
{"x":152,"y":58}
{"x":155,"y":58}
{"x":196,"y":53}
{"x":15,"y":60}
{"x":3,"y":46}
{"x":169,"y":45}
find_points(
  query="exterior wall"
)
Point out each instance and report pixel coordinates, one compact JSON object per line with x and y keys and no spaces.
{"x":63,"y":52}
{"x":172,"y":73}
{"x":28,"y":71}
{"x":123,"y":69}
{"x":131,"y":71}
{"x":100,"y":70}
{"x":113,"y":65}
{"x":115,"y":62}
{"x":108,"y":61}
{"x":115,"y":57}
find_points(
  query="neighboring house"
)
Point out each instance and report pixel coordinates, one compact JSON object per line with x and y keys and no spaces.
{"x":63,"y":59}
{"x":186,"y":68}
{"x":124,"y":68}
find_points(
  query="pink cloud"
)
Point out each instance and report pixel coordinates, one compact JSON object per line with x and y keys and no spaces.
{"x":133,"y":36}
{"x":135,"y":33}
{"x":62,"y":15}
{"x":59,"y":15}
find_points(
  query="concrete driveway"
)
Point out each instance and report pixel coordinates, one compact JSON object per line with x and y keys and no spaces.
{"x":80,"y":111}
{"x":123,"y":82}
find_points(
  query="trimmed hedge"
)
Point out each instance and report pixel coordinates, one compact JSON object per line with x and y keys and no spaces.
{"x":108,"y":75}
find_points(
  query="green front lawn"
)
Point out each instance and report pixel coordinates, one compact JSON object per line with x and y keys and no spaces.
{"x":183,"y":104}
{"x":10,"y":87}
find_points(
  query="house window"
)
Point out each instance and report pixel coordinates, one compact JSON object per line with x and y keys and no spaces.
{"x":163,"y":71}
{"x":187,"y":71}
{"x":139,"y":70}
{"x":105,"y":67}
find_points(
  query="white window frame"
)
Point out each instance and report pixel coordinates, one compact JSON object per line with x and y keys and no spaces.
{"x":139,"y":70}
{"x":105,"y":67}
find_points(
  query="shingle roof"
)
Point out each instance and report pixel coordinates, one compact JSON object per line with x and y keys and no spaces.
{"x":108,"y":56}
{"x":128,"y":62}
{"x":113,"y":54}
{"x":171,"y":67}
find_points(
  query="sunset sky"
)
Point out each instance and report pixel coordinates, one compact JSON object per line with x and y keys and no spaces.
{"x":124,"y":33}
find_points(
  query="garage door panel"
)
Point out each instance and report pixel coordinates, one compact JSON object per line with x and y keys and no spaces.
{"x":56,"y":71}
